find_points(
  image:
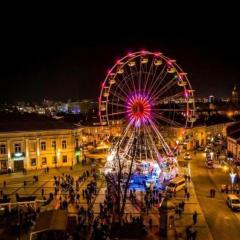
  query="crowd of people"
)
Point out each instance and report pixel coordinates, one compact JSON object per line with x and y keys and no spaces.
{"x":69,"y":190}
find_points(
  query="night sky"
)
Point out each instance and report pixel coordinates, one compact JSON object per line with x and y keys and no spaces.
{"x":68,"y":59}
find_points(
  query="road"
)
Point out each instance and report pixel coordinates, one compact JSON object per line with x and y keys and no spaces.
{"x":222,"y":222}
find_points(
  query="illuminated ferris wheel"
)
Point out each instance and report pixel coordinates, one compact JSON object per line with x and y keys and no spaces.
{"x":145,"y":91}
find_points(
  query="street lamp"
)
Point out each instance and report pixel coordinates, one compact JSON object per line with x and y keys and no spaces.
{"x":232,"y":176}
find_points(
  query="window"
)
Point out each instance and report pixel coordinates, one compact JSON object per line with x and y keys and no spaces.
{"x":33,"y":162}
{"x":32,"y":146}
{"x":2,"y":149}
{"x":43,"y":146}
{"x":17,"y":147}
{"x":64,"y":144}
{"x":64,"y":158}
{"x":54,"y":160}
{"x":54,"y":145}
{"x":44,"y":160}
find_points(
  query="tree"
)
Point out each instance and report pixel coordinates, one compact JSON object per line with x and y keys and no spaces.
{"x":118,"y":181}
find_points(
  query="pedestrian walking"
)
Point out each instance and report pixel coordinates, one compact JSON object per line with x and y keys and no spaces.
{"x":179,"y":212}
{"x":150,"y":223}
{"x":182,"y":205}
{"x":4,"y":183}
{"x":194,"y":216}
{"x":185,"y":191}
{"x":188,"y":195}
{"x":211,"y":193}
{"x":42,"y":191}
{"x":214,"y":192}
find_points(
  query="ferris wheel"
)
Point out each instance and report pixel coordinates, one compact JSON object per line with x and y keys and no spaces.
{"x":145,"y":91}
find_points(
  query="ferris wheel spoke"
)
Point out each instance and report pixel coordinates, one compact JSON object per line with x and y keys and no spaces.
{"x":161,"y":138}
{"x":149,"y":73}
{"x":118,"y":96}
{"x":116,"y":113}
{"x":125,"y":81}
{"x":159,"y":79}
{"x":151,"y":133}
{"x":168,"y":121}
{"x":168,"y":98}
{"x":165,"y":88}
{"x":121,"y":87}
{"x":116,"y":104}
{"x":140,"y":77}
{"x":153,"y":78}
{"x":132,"y":79}
{"x":168,"y":110}
{"x":122,"y":90}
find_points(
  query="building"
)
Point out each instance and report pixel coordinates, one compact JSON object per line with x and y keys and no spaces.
{"x":233,"y":141}
{"x":211,"y":99}
{"x":38,"y":144}
{"x":198,"y":135}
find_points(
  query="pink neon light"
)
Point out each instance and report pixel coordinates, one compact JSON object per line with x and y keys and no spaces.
{"x":157,"y":54}
{"x":139,"y":109}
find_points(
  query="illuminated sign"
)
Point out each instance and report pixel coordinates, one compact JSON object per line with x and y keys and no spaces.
{"x":18,"y":156}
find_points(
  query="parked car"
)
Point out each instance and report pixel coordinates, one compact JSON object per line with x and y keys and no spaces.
{"x":176,"y":184}
{"x":187,"y":156}
{"x":233,"y":202}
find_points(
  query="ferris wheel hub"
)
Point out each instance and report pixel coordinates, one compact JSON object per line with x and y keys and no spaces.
{"x":139,"y":109}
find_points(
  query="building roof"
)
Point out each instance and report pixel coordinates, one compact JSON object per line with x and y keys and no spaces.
{"x":235,"y":135}
{"x":31,"y":122}
{"x":233,"y":128}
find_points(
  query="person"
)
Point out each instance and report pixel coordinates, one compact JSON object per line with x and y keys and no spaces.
{"x":9,"y":171}
{"x":213,"y":192}
{"x":179,"y":212}
{"x":182,"y":205}
{"x":194,"y":217}
{"x":188,"y":195}
{"x":4,"y":183}
{"x":185,"y":191}
{"x":188,"y":234}
{"x":42,"y":191}
{"x":150,"y":223}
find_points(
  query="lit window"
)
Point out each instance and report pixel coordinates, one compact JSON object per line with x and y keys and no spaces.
{"x":17,"y":147}
{"x":44,"y":161}
{"x":54,"y":145}
{"x":32,"y":146}
{"x":64,"y":158}
{"x":43,"y":146}
{"x":54,"y":160}
{"x":2,"y":149}
{"x":64,"y":144}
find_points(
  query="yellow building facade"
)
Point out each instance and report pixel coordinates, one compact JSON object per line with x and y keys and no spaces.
{"x":39,"y":149}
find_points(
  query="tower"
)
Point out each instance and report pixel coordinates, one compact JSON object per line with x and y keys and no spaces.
{"x":235,"y":97}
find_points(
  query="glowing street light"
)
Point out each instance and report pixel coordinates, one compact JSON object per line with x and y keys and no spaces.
{"x":232,"y":176}
{"x":225,"y":168}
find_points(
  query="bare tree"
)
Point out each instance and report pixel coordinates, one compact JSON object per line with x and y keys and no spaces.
{"x":119,"y":180}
